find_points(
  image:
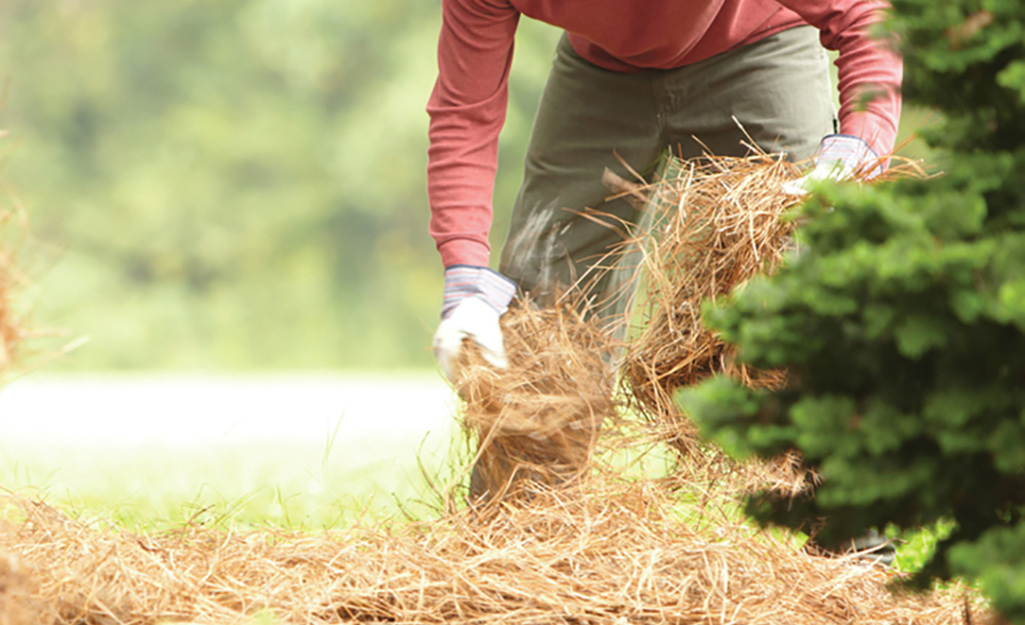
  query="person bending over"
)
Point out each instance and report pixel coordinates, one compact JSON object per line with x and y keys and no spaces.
{"x":632,"y":78}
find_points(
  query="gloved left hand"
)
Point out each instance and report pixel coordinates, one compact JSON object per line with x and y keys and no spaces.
{"x":475,"y":299}
{"x":839,"y":156}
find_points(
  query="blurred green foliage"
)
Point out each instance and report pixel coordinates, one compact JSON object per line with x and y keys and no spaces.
{"x":237,"y":184}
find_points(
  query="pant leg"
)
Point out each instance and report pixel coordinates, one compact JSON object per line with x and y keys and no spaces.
{"x":585,"y":117}
{"x":778,"y":88}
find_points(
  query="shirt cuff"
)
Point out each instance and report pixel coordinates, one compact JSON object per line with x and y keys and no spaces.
{"x":464,"y":252}
{"x":465,"y":281}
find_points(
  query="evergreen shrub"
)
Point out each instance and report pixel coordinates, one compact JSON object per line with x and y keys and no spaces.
{"x":902,"y":323}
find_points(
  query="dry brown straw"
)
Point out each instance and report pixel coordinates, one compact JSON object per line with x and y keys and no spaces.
{"x":618,"y":552}
{"x":13,"y":332}
{"x":539,"y":419}
{"x":716,"y":222}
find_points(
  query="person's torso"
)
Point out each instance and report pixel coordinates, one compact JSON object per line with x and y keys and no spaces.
{"x":661,"y":34}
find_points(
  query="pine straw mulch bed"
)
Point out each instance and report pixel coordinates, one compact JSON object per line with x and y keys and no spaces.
{"x":608,"y":551}
{"x":579,"y":534}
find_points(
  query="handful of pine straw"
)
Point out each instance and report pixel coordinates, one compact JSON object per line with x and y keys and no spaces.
{"x":536,"y":422}
{"x":716,"y":223}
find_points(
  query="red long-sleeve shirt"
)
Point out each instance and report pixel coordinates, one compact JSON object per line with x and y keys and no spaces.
{"x":468,"y":104}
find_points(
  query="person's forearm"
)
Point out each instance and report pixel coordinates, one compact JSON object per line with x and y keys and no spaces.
{"x":467,"y":110}
{"x":870,"y":72}
{"x":462,"y":162}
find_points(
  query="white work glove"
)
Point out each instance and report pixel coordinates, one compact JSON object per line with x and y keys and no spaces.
{"x":839,"y":156}
{"x":475,"y":298}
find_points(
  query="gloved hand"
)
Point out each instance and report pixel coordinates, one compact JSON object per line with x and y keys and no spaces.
{"x":839,"y":156}
{"x":475,"y":298}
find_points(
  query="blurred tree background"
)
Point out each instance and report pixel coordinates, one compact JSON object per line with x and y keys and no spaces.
{"x":236,"y":184}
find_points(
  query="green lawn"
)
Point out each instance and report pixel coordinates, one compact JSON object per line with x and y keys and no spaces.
{"x":287,"y":485}
{"x":284,"y":485}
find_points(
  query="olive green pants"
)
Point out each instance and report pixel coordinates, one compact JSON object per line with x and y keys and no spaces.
{"x":778,"y":89}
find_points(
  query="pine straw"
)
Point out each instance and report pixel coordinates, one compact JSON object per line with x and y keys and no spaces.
{"x":618,"y":552}
{"x":18,"y":605}
{"x":19,"y":341}
{"x":12,"y":229}
{"x":539,"y":419}
{"x":717,"y":222}
{"x":13,"y":333}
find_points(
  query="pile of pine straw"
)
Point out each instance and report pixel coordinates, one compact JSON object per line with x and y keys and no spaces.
{"x":611,"y":551}
{"x":578,"y":534}
{"x":13,"y":332}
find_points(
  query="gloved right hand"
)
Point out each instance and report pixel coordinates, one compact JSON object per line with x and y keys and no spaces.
{"x":839,"y":156}
{"x":475,"y":298}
